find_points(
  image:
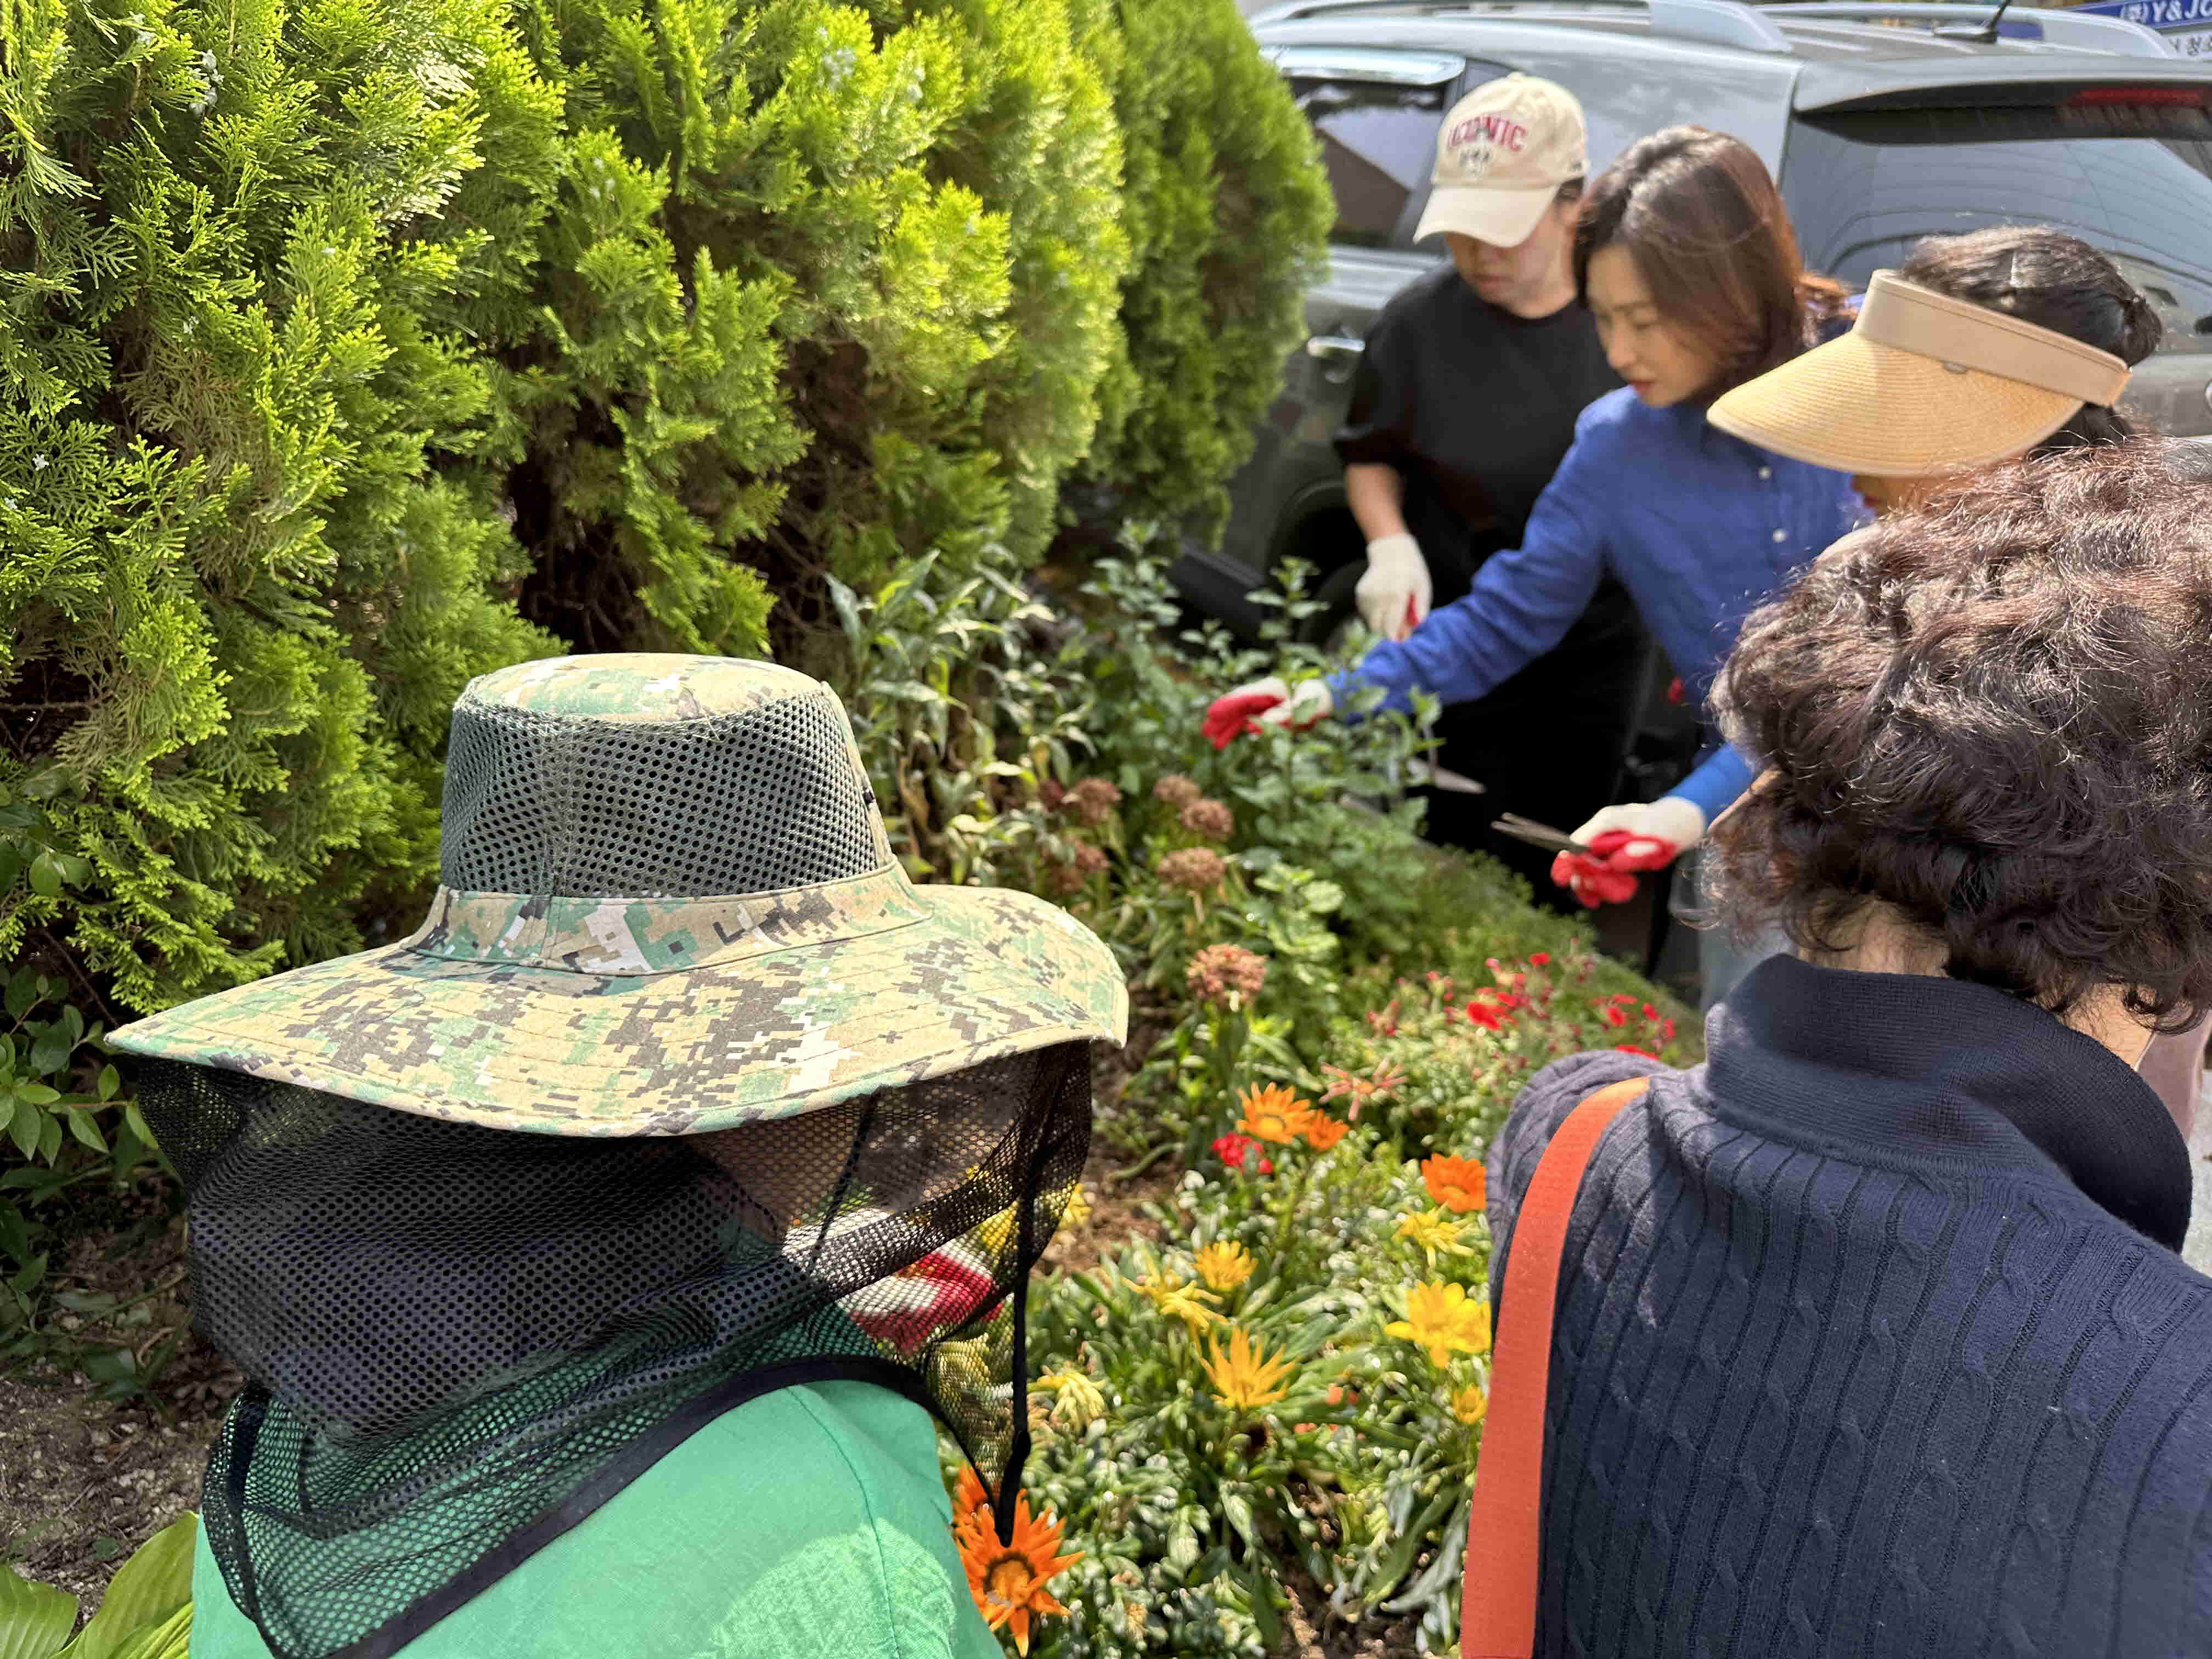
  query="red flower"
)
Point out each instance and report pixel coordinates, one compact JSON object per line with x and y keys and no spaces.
{"x":1650,"y":1013}
{"x":1237,"y":1151}
{"x":1631,"y":1048}
{"x":1667,"y":1030}
{"x":1490,"y":1016}
{"x":1541,"y":959}
{"x":1614,"y":1017}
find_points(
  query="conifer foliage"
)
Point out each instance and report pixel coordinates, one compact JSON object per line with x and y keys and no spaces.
{"x":349,"y":350}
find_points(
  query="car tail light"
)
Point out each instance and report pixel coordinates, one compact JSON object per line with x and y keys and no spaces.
{"x":2159,"y":97}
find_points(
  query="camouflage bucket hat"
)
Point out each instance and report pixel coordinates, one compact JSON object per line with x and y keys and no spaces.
{"x":667,"y":905}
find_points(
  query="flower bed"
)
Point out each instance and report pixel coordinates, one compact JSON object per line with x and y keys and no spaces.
{"x":1260,"y":1428}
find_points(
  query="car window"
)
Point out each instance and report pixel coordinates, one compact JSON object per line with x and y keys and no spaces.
{"x":1864,"y":186}
{"x":1377,"y":140}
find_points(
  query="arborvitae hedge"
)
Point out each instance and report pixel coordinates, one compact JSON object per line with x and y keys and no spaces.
{"x":347,"y":350}
{"x":1228,"y":213}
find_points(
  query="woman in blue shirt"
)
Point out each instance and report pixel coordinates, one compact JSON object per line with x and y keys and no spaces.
{"x":1685,"y":255}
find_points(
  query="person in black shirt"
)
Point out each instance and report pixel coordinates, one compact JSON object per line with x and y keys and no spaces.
{"x":1464,"y":402}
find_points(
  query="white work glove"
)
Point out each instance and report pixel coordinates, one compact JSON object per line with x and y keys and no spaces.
{"x":1394,"y":593}
{"x":1640,"y":836}
{"x":1270,"y":702}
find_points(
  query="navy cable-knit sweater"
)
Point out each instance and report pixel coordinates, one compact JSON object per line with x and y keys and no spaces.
{"x":1872,"y":1339}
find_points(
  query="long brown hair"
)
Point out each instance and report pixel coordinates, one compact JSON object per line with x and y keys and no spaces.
{"x":1700,"y":215}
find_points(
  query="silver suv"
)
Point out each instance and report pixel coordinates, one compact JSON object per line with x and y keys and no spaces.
{"x":1882,"y":123}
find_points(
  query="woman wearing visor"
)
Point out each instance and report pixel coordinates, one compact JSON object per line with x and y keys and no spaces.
{"x":1980,"y":348}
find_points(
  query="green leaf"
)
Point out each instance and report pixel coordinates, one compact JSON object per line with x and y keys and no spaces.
{"x":23,"y":1128}
{"x":167,"y":1640}
{"x":38,"y":1094}
{"x":1394,"y":1565}
{"x":87,"y":1132}
{"x":35,"y":1619}
{"x":50,"y":1052}
{"x":75,"y":871}
{"x":14,"y":1233}
{"x":110,"y":1082}
{"x":11,"y":866}
{"x":46,"y":876}
{"x":150,"y":1588}
{"x":23,"y":992}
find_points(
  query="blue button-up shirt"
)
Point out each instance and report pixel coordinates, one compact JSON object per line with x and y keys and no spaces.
{"x":1699,"y":525}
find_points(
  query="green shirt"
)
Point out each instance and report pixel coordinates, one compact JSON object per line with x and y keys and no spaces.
{"x":809,"y":1520}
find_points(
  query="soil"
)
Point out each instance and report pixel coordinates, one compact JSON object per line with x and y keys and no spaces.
{"x":84,"y":1481}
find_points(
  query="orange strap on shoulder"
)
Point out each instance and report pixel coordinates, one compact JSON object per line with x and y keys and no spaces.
{"x":1497,"y":1590}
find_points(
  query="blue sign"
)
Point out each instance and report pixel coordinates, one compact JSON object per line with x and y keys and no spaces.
{"x":2156,"y":13}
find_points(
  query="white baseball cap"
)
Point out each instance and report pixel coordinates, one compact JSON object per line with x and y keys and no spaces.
{"x":1503,"y":154}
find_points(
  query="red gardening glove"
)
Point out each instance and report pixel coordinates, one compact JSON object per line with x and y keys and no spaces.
{"x":1270,"y":701}
{"x":1627,"y":839}
{"x":1598,"y":881}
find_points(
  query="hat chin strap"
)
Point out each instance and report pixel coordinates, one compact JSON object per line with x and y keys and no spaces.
{"x":1960,"y":335}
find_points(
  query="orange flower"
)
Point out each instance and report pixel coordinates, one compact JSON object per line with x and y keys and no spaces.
{"x":1008,"y":1580}
{"x":1273,"y":1113}
{"x":1323,"y":1132}
{"x":1457,"y":1183}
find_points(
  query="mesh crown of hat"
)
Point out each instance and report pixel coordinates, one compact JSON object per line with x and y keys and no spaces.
{"x":653,"y":777}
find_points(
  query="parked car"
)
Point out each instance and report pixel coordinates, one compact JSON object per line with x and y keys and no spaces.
{"x":1883,"y":123}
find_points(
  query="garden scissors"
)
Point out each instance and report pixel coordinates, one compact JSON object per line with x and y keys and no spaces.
{"x":1543,"y":836}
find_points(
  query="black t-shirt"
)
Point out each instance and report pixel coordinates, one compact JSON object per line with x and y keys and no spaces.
{"x":1475,"y":408}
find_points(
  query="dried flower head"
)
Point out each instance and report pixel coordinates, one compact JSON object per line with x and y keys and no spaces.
{"x":1093,"y":800}
{"x":1176,"y":790}
{"x":1050,"y":792}
{"x":1063,"y":878}
{"x":1211,"y":819}
{"x":1091,"y":860}
{"x":1193,"y":869}
{"x":1221,"y":972}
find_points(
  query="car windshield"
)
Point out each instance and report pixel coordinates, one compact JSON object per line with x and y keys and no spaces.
{"x":1864,"y":188}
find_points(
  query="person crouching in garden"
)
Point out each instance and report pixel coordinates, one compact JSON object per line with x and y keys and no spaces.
{"x":1872,"y":1336}
{"x":597,"y":1256}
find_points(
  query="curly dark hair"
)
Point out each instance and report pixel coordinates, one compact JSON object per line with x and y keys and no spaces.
{"x":1992,"y":714}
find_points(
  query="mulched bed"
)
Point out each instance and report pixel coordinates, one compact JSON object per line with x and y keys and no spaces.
{"x":84,"y":1481}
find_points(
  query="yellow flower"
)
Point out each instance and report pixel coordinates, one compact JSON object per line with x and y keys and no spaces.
{"x":1470,"y":1405}
{"x":1175,"y":1300}
{"x":1273,"y":1113}
{"x":996,"y":1234}
{"x":1431,"y":1230}
{"x":1077,"y":1400}
{"x":1441,"y":1318}
{"x":1224,"y":1266}
{"x":1245,"y":1378}
{"x":1079,"y":1208}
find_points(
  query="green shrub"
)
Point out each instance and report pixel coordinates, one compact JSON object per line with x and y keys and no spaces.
{"x":232,"y":592}
{"x":1228,"y":213}
{"x":824,"y":288}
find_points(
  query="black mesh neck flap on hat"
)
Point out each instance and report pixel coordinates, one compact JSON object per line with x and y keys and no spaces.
{"x":460,"y":1341}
